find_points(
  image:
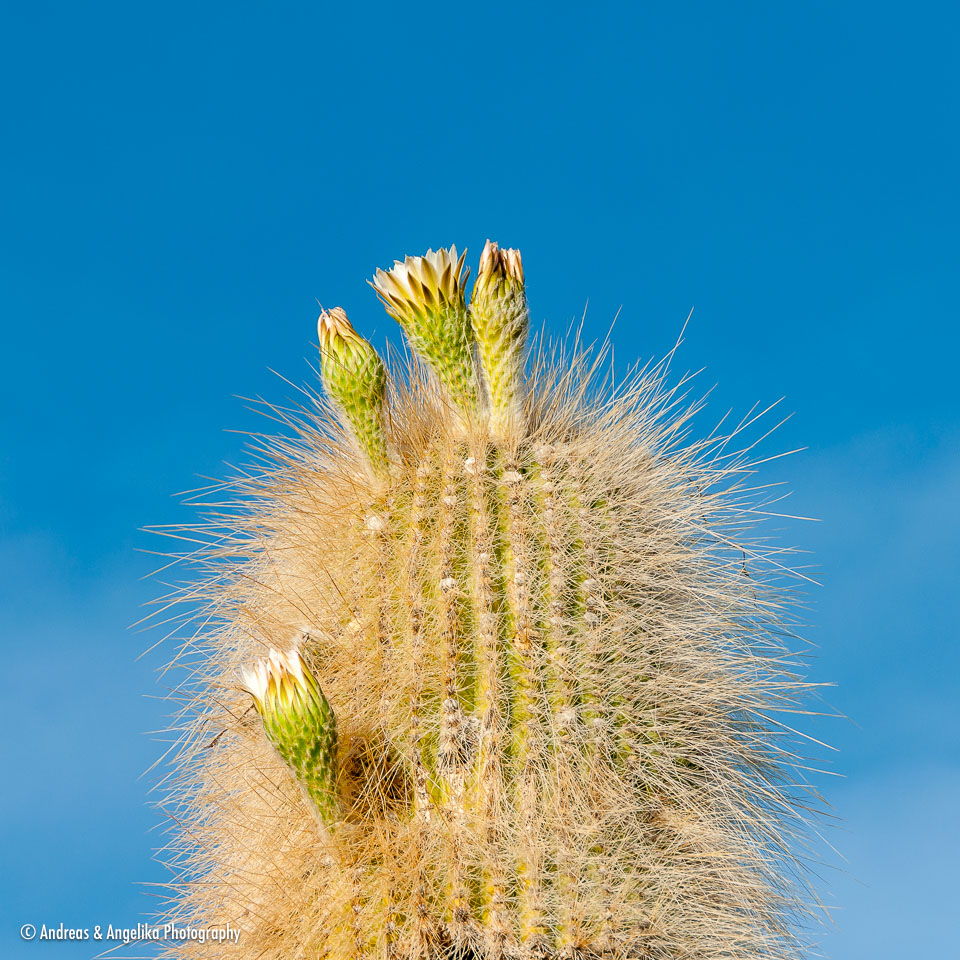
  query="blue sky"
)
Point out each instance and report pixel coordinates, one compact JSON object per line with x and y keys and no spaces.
{"x":181,"y":181}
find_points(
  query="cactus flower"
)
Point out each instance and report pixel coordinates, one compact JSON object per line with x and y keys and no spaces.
{"x":425,"y":295}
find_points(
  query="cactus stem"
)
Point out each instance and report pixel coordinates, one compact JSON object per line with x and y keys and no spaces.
{"x":560,"y":601}
{"x":592,"y":607}
{"x":451,"y":744}
{"x":412,"y":597}
{"x":379,"y":528}
{"x":519,"y":566}
{"x":414,"y":600}
{"x":556,"y":597}
{"x":361,"y":938}
{"x":487,"y":769}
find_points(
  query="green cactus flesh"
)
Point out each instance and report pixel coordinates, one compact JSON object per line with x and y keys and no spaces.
{"x":551,"y":651}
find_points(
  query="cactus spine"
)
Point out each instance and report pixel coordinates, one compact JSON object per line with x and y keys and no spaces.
{"x":533,"y":720}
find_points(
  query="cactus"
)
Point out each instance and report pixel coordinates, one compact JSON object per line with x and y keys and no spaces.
{"x":527,"y":707}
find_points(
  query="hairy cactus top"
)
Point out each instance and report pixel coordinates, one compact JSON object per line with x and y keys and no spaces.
{"x":512,"y":656}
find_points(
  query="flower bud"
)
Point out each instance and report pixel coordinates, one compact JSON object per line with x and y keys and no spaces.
{"x":355,"y":377}
{"x":300,"y":723}
{"x":500,"y":320}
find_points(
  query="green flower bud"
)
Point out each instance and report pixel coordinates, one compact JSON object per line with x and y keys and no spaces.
{"x":425,"y":295}
{"x":355,"y":377}
{"x":500,"y":320}
{"x":300,"y":723}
